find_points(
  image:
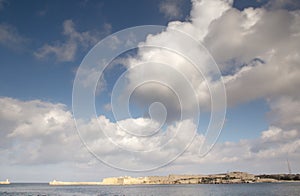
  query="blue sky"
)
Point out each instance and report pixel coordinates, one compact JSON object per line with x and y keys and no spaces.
{"x":42,"y":44}
{"x":41,"y":22}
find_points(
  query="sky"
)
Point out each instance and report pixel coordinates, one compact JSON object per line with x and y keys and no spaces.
{"x":214,"y":87}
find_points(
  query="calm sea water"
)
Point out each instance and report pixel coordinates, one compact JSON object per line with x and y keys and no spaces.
{"x":288,"y":188}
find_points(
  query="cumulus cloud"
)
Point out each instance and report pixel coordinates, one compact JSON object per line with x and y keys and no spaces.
{"x":260,"y":61}
{"x":252,"y":155}
{"x":66,"y":51}
{"x":257,"y":51}
{"x":38,"y":132}
{"x":239,"y":38}
{"x":202,"y":14}
{"x":136,"y":144}
{"x":258,"y":54}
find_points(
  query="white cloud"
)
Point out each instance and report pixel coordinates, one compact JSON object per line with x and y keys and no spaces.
{"x":275,"y":145}
{"x":171,"y":8}
{"x":120,"y":144}
{"x":283,"y":4}
{"x":277,"y":134}
{"x":66,"y":51}
{"x":180,"y":74}
{"x":285,"y":112}
{"x":256,"y":49}
{"x":258,"y":53}
{"x":10,"y":37}
{"x":238,"y":38}
{"x":37,"y":133}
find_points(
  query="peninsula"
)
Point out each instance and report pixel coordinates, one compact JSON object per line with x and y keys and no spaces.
{"x":226,"y":178}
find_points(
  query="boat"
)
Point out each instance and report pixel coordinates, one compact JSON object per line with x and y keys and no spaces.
{"x":5,"y":182}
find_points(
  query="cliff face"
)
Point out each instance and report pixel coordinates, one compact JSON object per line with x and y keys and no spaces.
{"x":232,"y":177}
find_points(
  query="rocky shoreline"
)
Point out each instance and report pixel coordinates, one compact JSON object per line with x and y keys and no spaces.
{"x":226,"y":178}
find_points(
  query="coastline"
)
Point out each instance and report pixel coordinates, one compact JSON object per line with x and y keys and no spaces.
{"x":225,"y":178}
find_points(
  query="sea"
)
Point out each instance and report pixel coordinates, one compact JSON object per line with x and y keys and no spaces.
{"x":41,"y":189}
